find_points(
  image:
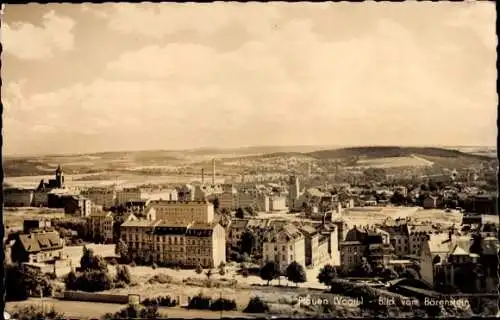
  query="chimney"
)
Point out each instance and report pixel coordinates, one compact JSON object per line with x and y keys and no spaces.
{"x":202,"y":176}
{"x":213,"y":171}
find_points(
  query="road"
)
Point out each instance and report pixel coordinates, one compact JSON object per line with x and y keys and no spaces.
{"x":81,"y":309}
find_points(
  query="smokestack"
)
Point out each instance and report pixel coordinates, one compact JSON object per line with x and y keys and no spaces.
{"x":213,"y":171}
{"x":202,"y":176}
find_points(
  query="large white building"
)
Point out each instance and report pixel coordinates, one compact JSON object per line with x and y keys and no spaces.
{"x":187,"y":211}
{"x":141,"y":194}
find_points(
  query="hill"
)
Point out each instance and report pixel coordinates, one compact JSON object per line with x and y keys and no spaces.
{"x":391,"y":152}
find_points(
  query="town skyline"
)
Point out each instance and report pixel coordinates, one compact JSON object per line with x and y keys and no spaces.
{"x":384,"y":78}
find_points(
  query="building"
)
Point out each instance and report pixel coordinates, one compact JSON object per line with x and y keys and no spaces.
{"x":187,"y":211}
{"x":235,"y":230}
{"x":317,"y":247}
{"x":57,"y":183}
{"x":229,"y":198}
{"x":15,"y":197}
{"x":277,"y":203}
{"x":205,"y":245}
{"x":75,"y":205}
{"x":175,"y":243}
{"x":105,"y":197}
{"x":41,"y":198}
{"x":100,"y":226}
{"x":283,"y":246}
{"x":37,"y":246}
{"x":142,"y":194}
{"x":399,"y":238}
{"x":365,"y":243}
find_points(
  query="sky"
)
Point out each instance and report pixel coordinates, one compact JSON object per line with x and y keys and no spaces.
{"x":102,"y":77}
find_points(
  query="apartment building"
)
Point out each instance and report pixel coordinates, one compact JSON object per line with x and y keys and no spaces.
{"x":105,"y":197}
{"x":169,"y":242}
{"x":235,"y":230}
{"x":100,"y":226}
{"x":186,"y":211}
{"x":317,"y":248}
{"x":283,"y":246}
{"x":15,"y":197}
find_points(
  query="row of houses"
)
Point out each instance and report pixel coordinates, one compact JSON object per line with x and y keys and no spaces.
{"x":283,"y":242}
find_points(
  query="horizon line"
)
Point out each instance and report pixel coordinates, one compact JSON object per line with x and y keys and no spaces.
{"x":242,"y":148}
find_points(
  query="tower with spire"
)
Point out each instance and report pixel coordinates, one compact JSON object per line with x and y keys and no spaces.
{"x":59,"y":177}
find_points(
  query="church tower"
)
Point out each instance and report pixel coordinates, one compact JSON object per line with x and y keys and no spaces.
{"x":59,"y":177}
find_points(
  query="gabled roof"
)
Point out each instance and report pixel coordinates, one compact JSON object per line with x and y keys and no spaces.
{"x":36,"y":242}
{"x":139,"y":223}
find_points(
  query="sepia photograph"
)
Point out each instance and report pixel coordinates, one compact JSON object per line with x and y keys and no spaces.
{"x":249,"y":160}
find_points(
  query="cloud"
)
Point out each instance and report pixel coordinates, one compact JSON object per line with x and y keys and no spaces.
{"x":29,"y":42}
{"x":158,"y":20}
{"x":387,"y":85}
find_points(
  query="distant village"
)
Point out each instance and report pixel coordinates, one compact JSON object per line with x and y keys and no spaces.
{"x":206,"y":225}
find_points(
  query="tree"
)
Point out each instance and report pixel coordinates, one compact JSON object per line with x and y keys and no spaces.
{"x":296,"y":273}
{"x":248,"y":242}
{"x":398,"y":198}
{"x":121,"y":250}
{"x":240,"y":214}
{"x":71,"y":281}
{"x":199,"y":269}
{"x":364,"y":269}
{"x":123,"y":274}
{"x":222,"y":269}
{"x":209,"y":274}
{"x":250,"y":211}
{"x":436,"y":260}
{"x":90,"y":262}
{"x":409,"y":273}
{"x":269,"y":271}
{"x":389,"y":274}
{"x":216,"y":203}
{"x":256,"y":305}
{"x":476,"y":246}
{"x":327,"y":274}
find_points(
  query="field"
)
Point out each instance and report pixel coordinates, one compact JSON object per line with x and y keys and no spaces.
{"x":106,"y":179}
{"x":392,"y":162}
{"x":374,"y":215}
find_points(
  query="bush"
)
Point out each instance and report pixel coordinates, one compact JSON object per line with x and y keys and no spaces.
{"x":113,"y":262}
{"x":199,"y":302}
{"x":35,"y":312}
{"x":133,"y":264}
{"x":256,"y":305}
{"x":223,"y":304}
{"x":123,"y":274}
{"x":162,"y":301}
{"x":160,"y":278}
{"x":147,"y":312}
{"x":154,"y":266}
{"x":244,"y":272}
{"x":89,"y":281}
